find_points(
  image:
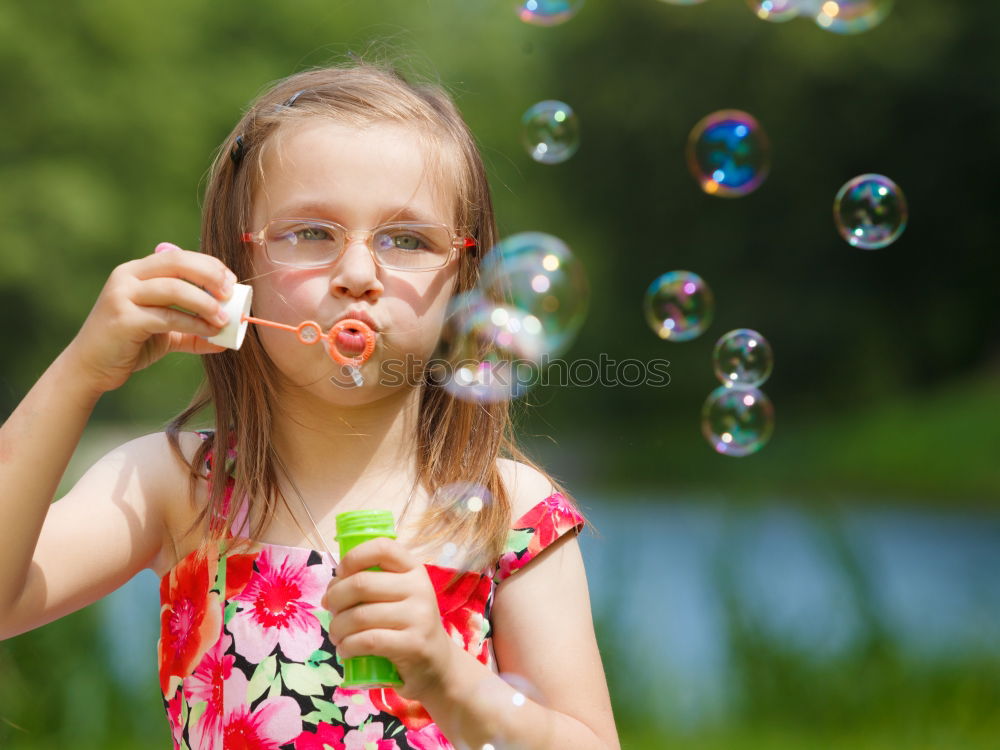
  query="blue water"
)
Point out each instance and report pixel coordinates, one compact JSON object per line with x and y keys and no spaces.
{"x":655,"y":573}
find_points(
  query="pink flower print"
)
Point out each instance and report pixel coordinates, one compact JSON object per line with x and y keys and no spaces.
{"x":326,"y":737}
{"x":368,"y":738}
{"x":275,"y":722}
{"x":276,"y":606}
{"x":174,"y":717}
{"x":206,"y":684}
{"x":358,"y":704}
{"x":428,"y":738}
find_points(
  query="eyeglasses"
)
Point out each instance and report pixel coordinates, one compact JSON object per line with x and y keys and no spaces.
{"x":403,"y":246}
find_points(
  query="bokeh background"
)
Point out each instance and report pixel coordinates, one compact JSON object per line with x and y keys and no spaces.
{"x":837,"y":589}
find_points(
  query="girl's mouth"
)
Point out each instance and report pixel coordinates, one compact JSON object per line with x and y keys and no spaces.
{"x":350,"y":341}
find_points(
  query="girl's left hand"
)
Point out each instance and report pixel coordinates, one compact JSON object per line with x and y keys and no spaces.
{"x":392,"y":612}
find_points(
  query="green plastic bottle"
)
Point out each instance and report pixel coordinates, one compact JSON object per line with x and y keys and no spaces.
{"x":353,"y":528}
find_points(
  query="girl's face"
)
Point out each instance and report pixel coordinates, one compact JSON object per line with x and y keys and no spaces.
{"x":360,"y":178}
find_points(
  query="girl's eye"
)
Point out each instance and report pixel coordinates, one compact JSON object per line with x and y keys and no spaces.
{"x":404,"y":238}
{"x":408,"y":241}
{"x":312,"y":233}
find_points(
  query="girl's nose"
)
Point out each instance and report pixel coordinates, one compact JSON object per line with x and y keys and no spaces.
{"x":356,"y":274}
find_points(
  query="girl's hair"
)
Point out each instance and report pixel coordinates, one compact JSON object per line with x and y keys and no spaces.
{"x":457,"y":441}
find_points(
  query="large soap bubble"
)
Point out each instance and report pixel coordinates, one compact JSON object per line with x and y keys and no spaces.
{"x":737,"y":420}
{"x":848,"y":16}
{"x":550,"y":131}
{"x":679,"y":306}
{"x":494,"y":351}
{"x":547,"y":12}
{"x":775,"y":11}
{"x":870,"y":211}
{"x":538,"y":274}
{"x":729,"y":153}
{"x":742,"y":357}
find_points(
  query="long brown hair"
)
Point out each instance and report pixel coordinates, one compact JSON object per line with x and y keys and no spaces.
{"x":457,"y":440}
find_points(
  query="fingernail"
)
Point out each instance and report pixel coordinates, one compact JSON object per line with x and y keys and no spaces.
{"x":222,"y":317}
{"x":227,"y":284}
{"x":164,"y":246}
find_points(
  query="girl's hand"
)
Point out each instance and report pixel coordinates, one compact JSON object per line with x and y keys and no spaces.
{"x":132,"y":324}
{"x":392,"y":613}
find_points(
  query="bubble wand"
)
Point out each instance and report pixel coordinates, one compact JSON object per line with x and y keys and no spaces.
{"x":309,"y":332}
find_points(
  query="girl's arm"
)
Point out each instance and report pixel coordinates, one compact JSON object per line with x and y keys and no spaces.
{"x":56,"y":558}
{"x":543,"y":631}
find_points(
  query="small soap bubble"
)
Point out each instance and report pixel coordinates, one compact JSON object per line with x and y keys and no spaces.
{"x":550,"y":131}
{"x":679,"y":306}
{"x":547,"y":12}
{"x":849,"y":16}
{"x":737,"y":420}
{"x":870,"y":211}
{"x":742,"y":357}
{"x":537,"y":273}
{"x":776,"y":11}
{"x":507,"y":699}
{"x":464,"y":498}
{"x":729,"y":153}
{"x":495,"y":350}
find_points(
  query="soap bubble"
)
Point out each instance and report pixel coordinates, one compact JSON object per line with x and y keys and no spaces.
{"x":679,"y":306}
{"x":728,"y":153}
{"x":538,"y":274}
{"x":742,"y":357}
{"x":550,"y":131}
{"x":464,"y":498}
{"x":547,"y":12}
{"x":870,"y":211}
{"x":737,"y":420}
{"x":495,"y":350}
{"x":776,"y":11}
{"x":850,"y":16}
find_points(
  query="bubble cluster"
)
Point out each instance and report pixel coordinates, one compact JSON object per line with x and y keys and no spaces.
{"x":776,"y":11}
{"x":729,"y":153}
{"x":539,"y":275}
{"x":850,"y":16}
{"x":737,"y":420}
{"x":550,"y":131}
{"x":870,"y":211}
{"x":547,"y":12}
{"x":742,"y":357}
{"x":679,"y":306}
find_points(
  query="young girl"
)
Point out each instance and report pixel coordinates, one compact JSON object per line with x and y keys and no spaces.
{"x":238,"y":522}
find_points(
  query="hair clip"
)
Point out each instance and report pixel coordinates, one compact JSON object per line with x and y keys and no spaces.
{"x":236,"y":154}
{"x":293,"y":98}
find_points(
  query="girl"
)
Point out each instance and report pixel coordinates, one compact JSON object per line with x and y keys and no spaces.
{"x":238,"y":522}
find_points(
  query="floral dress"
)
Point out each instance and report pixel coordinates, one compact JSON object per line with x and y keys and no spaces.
{"x":245,"y":660}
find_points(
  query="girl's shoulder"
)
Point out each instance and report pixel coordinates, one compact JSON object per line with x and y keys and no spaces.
{"x":525,"y":484}
{"x":541,"y":516}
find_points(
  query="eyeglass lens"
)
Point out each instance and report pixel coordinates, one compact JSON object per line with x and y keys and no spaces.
{"x":402,"y":245}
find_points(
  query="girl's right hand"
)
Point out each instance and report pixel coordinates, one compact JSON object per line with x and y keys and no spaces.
{"x":132,"y":324}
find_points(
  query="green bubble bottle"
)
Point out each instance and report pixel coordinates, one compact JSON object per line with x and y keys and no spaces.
{"x":353,"y":528}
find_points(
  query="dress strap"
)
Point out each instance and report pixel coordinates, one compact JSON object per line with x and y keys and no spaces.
{"x":537,"y":529}
{"x":240,"y":525}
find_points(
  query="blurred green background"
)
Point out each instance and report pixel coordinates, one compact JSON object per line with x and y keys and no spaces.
{"x":887,"y":377}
